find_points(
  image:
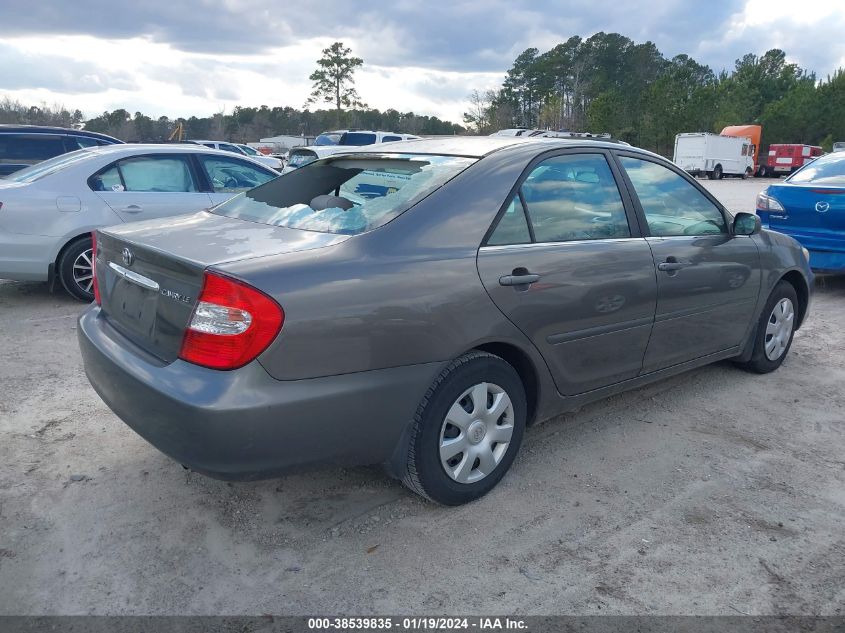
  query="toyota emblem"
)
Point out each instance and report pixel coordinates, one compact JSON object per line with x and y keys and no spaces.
{"x":128,"y":257}
{"x":822,"y":206}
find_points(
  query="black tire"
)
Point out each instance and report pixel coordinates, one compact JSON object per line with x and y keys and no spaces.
{"x":746,"y":173}
{"x":717,"y":172}
{"x":424,"y":473}
{"x":760,"y":363}
{"x":65,"y":268}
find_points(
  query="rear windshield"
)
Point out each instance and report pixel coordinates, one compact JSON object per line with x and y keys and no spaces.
{"x":300,"y":158}
{"x":347,"y":195}
{"x":50,"y":166}
{"x":828,"y":170}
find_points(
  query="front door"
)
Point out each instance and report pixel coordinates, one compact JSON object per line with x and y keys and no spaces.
{"x":564,"y":265}
{"x":151,"y":186}
{"x":707,"y":279}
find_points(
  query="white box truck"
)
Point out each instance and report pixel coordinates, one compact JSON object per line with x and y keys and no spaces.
{"x":714,"y":155}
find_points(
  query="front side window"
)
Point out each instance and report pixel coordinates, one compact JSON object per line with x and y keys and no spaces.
{"x":345,"y":195}
{"x":828,"y":170}
{"x":672,"y":205}
{"x":148,"y":174}
{"x":230,"y":175}
{"x":574,"y":197}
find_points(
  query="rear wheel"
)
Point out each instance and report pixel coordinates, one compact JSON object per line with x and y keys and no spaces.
{"x":746,"y":173}
{"x":717,"y":172}
{"x":467,"y":430}
{"x":76,"y":270}
{"x":774,"y":330}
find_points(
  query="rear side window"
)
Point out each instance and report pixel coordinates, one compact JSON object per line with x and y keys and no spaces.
{"x":147,"y":174}
{"x":81,"y":142}
{"x":29,"y":147}
{"x":672,"y":205}
{"x":828,"y":170}
{"x":512,"y":227}
{"x":357,"y":138}
{"x":345,"y":195}
{"x":230,"y":175}
{"x":387,"y":139}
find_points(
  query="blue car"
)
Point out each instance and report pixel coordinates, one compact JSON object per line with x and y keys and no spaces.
{"x":810,"y":206}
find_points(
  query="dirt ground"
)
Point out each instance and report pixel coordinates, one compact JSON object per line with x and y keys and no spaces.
{"x":716,"y":492}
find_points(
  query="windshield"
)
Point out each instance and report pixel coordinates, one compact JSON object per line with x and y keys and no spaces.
{"x":348,"y":195}
{"x":50,"y":166}
{"x":249,"y":151}
{"x":328,"y":138}
{"x":828,"y":170}
{"x":357,"y":138}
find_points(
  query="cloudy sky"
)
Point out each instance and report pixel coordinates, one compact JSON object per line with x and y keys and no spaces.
{"x":186,"y":57}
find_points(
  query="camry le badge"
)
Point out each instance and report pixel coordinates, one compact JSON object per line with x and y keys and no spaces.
{"x":822,"y":206}
{"x":128,"y":257}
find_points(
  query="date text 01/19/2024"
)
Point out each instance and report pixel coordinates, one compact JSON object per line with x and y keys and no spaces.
{"x":417,"y":623}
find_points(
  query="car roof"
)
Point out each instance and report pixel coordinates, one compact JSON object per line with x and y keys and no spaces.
{"x":479,"y":146}
{"x":6,"y":128}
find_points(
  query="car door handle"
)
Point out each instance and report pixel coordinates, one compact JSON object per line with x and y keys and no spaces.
{"x":672,"y":264}
{"x":518,"y":280}
{"x":132,"y":208}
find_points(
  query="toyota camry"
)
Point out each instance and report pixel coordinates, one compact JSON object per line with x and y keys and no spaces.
{"x":420,"y":305}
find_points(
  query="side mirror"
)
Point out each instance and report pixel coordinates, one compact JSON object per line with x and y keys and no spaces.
{"x":747,"y":224}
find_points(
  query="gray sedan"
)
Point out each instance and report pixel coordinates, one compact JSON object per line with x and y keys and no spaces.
{"x":419,"y":305}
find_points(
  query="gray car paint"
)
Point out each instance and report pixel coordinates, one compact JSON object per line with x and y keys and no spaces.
{"x":403,"y":299}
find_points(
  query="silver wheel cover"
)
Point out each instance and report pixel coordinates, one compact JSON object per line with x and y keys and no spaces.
{"x":476,"y":433}
{"x":779,"y":329}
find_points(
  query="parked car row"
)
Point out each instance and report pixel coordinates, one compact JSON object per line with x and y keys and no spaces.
{"x":419,"y":302}
{"x":335,"y":141}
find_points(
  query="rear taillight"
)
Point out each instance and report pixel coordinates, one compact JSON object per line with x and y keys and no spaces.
{"x":767,"y":203}
{"x":231,"y":325}
{"x":94,"y":283}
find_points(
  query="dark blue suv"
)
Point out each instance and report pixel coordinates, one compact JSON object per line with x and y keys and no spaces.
{"x":24,"y":145}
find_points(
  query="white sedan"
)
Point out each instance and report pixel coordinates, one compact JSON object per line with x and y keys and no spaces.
{"x":47,"y":211}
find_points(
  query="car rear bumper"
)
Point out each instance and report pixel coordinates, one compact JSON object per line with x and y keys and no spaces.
{"x":827,"y":261}
{"x":244,"y":424}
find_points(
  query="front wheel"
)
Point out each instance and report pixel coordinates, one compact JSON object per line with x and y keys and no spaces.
{"x":467,"y":430}
{"x":76,"y":269}
{"x":774,"y":330}
{"x":717,"y":172}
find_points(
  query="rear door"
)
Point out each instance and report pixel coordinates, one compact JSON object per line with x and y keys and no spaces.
{"x":150,"y":186}
{"x":567,"y":265}
{"x":707,"y":279}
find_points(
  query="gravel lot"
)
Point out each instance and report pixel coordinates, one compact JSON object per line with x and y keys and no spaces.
{"x":716,"y":492}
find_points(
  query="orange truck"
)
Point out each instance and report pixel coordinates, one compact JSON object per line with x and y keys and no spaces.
{"x":753,"y":134}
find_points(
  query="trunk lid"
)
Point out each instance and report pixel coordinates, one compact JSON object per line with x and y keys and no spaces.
{"x":815,"y":214}
{"x":150,"y":274}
